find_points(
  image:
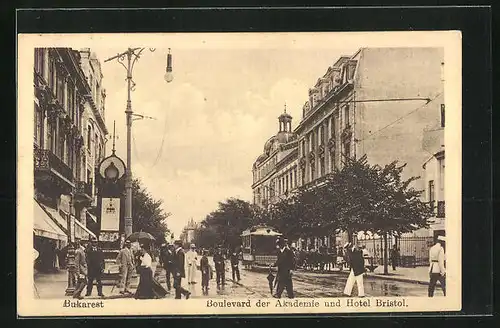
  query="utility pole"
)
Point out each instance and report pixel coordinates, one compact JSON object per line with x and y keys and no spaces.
{"x":132,"y":55}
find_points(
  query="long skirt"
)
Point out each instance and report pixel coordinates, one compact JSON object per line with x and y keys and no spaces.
{"x":145,"y":287}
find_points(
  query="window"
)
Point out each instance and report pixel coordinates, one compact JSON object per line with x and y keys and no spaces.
{"x":286,"y":183}
{"x":60,"y":143}
{"x":322,"y":135}
{"x":332,"y":160}
{"x":442,"y":115}
{"x":51,"y":136}
{"x":52,"y":74}
{"x":39,"y":60}
{"x":89,"y":137}
{"x":295,"y":177}
{"x":89,"y":176}
{"x":441,"y":175}
{"x":71,"y":101}
{"x":346,"y":115}
{"x":38,"y":126}
{"x":333,"y":128}
{"x":60,"y":89}
{"x":347,"y":149}
{"x":322,"y":166}
{"x":303,"y":176}
{"x":432,"y":195}
{"x":313,"y":141}
{"x":313,"y":171}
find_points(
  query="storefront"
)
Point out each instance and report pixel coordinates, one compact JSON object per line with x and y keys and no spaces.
{"x":48,"y":239}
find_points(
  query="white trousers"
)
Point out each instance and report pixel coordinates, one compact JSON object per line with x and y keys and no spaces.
{"x":350,"y":284}
{"x":191,"y":274}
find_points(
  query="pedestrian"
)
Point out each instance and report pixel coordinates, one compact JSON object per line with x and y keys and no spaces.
{"x":220,"y":266}
{"x":437,"y":271}
{"x":235,"y":261}
{"x":179,"y":271}
{"x":394,"y":257}
{"x":356,"y":263}
{"x":191,"y":260}
{"x":167,"y":260}
{"x":286,"y":265}
{"x":205,"y":272}
{"x":95,"y":262}
{"x":125,"y":262}
{"x":145,"y":287}
{"x":80,"y":269}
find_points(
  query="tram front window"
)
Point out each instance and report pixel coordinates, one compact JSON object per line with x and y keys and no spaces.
{"x":264,"y":245}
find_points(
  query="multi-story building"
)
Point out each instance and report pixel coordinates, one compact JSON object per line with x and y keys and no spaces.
{"x":63,"y":185}
{"x":434,"y":169}
{"x":376,"y":102}
{"x":275,"y":170}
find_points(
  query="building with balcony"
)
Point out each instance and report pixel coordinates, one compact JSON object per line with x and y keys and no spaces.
{"x":64,"y":188}
{"x":377,"y":102}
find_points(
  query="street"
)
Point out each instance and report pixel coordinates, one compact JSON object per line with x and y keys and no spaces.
{"x":254,"y":284}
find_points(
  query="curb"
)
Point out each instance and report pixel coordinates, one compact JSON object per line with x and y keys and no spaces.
{"x":375,"y":276}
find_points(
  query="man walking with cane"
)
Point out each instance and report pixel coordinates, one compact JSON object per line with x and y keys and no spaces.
{"x":125,"y":261}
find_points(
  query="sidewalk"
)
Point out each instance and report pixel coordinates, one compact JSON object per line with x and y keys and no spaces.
{"x":418,"y":275}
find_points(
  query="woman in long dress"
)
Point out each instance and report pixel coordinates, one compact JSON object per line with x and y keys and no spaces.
{"x":145,"y":287}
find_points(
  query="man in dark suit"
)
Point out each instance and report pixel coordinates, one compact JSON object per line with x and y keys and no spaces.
{"x":167,"y":260}
{"x":357,"y":264}
{"x":220,"y":266}
{"x":95,"y":262}
{"x":285,"y":264}
{"x":178,"y":268}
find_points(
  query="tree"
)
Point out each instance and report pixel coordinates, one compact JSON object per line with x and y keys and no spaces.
{"x":147,"y":212}
{"x":226,"y":224}
{"x":379,"y":200}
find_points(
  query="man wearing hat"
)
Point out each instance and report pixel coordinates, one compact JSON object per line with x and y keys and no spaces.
{"x":285,"y":264}
{"x":357,"y":264}
{"x":191,"y":259}
{"x":437,"y":270}
{"x":125,"y":261}
{"x":179,"y":271}
{"x":220,"y":266}
{"x":81,"y":269}
{"x":95,"y":261}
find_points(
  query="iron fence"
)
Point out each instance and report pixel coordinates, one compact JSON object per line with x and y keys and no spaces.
{"x":413,"y":251}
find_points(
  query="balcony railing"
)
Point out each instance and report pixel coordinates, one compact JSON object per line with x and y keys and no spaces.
{"x":45,"y":160}
{"x":84,"y":188}
{"x":440,"y":209}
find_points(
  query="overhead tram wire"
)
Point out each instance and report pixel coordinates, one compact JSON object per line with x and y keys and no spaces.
{"x":402,"y":117}
{"x":160,"y":150}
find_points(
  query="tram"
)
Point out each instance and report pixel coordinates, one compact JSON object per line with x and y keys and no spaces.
{"x":259,"y":246}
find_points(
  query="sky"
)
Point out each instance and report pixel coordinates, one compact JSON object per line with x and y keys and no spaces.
{"x":212,"y":120}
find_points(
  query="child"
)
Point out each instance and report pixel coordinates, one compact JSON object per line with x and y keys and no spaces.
{"x":270,"y":279}
{"x":205,"y":272}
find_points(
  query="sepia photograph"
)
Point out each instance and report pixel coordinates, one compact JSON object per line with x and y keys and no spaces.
{"x":239,"y":173}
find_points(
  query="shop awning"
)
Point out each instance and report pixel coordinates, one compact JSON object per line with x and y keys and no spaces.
{"x":92,"y":217}
{"x":54,"y":214}
{"x":44,"y":226}
{"x":85,"y":228}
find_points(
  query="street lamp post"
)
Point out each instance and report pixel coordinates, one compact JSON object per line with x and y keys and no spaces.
{"x":132,"y":55}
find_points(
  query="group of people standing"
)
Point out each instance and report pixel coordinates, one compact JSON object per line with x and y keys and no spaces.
{"x":89,"y":266}
{"x":175,"y":262}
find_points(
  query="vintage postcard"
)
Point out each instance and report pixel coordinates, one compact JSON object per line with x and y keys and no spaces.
{"x":239,"y":173}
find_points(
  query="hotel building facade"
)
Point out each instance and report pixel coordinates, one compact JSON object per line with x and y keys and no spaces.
{"x":382,"y":102}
